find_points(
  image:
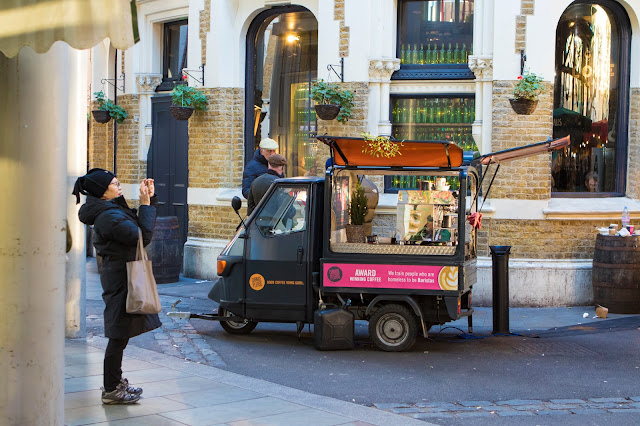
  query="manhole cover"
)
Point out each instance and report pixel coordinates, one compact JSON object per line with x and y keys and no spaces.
{"x":552,"y":349}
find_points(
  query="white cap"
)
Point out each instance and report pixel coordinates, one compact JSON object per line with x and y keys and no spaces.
{"x":268,"y":143}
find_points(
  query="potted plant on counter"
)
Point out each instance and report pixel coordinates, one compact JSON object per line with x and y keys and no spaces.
{"x":357,"y":212}
{"x":525,"y":94}
{"x":185,"y":100}
{"x":331,"y":101}
{"x":107,"y":110}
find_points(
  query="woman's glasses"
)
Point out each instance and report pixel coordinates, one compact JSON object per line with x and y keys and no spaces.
{"x":116,"y":183}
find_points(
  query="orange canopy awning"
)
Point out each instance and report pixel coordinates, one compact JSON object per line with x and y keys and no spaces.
{"x":349,"y":152}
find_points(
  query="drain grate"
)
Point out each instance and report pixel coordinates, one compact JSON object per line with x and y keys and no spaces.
{"x":552,"y":349}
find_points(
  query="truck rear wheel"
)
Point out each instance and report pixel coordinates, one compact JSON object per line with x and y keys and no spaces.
{"x":393,"y":328}
{"x":236,"y":327}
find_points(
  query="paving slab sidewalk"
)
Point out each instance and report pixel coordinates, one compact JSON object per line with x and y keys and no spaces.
{"x":181,"y":392}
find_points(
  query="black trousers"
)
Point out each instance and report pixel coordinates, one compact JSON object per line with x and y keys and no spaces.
{"x":113,"y":363}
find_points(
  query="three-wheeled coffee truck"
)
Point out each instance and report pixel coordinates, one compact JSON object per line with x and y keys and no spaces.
{"x":291,"y":261}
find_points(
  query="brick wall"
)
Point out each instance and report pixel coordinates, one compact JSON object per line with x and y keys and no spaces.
{"x":526,"y":8}
{"x":205,"y":27}
{"x":528,"y":178}
{"x":358,"y":121}
{"x":633,"y":167}
{"x":212,"y":222}
{"x":541,"y":239}
{"x":216,"y":143}
{"x":130,"y":168}
{"x":100,"y":148}
{"x":338,"y":15}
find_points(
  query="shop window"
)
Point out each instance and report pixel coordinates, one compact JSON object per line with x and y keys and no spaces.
{"x":430,"y":118}
{"x":174,"y":45}
{"x":591,"y":96}
{"x":282,"y":63}
{"x":435,"y":39}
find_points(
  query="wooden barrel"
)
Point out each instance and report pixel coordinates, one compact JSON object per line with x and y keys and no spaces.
{"x":616,"y":274}
{"x":166,"y":249}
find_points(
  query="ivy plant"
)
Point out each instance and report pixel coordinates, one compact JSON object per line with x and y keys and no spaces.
{"x":332,"y":94}
{"x":381,"y":146}
{"x":105,"y":104}
{"x":529,"y":86}
{"x":185,"y":96}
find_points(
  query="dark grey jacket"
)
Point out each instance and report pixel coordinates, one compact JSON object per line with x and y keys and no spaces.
{"x":254,"y":168}
{"x":259,"y":187}
{"x":115,"y":236}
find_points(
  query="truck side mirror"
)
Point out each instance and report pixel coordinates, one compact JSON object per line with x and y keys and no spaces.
{"x":236,"y":203}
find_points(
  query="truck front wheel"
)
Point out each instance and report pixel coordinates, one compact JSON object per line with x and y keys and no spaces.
{"x":236,"y":327}
{"x":393,"y":328}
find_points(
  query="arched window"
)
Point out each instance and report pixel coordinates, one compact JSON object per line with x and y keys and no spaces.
{"x":282,"y":61}
{"x":591,"y":97}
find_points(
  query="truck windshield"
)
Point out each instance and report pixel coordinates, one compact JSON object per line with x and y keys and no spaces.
{"x":284,"y":212}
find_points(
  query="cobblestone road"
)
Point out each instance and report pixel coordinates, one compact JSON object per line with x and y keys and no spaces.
{"x":512,"y":408}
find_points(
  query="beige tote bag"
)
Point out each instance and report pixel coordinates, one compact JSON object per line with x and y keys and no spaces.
{"x":143,"y":292}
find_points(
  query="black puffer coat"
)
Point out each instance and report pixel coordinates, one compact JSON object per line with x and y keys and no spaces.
{"x":115,"y":236}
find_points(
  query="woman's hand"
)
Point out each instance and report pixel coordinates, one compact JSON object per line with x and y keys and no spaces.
{"x":150,"y":187}
{"x":144,"y":194}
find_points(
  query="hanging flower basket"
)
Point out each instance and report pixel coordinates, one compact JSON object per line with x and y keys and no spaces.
{"x":523,"y":106}
{"x":101,"y":116}
{"x":180,"y":113}
{"x":327,"y":111}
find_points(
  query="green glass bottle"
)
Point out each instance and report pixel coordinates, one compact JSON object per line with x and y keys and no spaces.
{"x":403,"y":111}
{"x":430,"y":112}
{"x":458,"y":112}
{"x":472,"y":113}
{"x":421,"y":55}
{"x":402,"y":53}
{"x":410,"y":112}
{"x":438,"y":112}
{"x":417,"y":112}
{"x":414,"y":182}
{"x":414,"y":54}
{"x":427,"y":55}
{"x":442,"y":57}
{"x":456,"y":55}
{"x":425,"y":111}
{"x":446,"y":110}
{"x":449,"y":55}
{"x":464,"y":55}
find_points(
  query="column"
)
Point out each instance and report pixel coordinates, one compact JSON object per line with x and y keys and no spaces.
{"x":380,"y":71}
{"x":34,"y":115}
{"x":482,"y":67}
{"x":75,"y":324}
{"x":146,"y":84}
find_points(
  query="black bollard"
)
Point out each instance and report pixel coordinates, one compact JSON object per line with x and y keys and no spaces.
{"x":500,"y":268}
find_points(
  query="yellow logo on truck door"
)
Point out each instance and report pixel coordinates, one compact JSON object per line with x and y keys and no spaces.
{"x":256,"y":282}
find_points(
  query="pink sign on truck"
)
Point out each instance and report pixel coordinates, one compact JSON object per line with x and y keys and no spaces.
{"x":411,"y":277}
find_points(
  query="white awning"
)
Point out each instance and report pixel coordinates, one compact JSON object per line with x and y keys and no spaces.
{"x":80,"y":23}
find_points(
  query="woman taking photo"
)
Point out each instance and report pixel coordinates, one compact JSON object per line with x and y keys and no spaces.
{"x":115,"y":237}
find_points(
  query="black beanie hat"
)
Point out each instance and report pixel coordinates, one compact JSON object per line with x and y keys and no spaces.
{"x":94,"y":183}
